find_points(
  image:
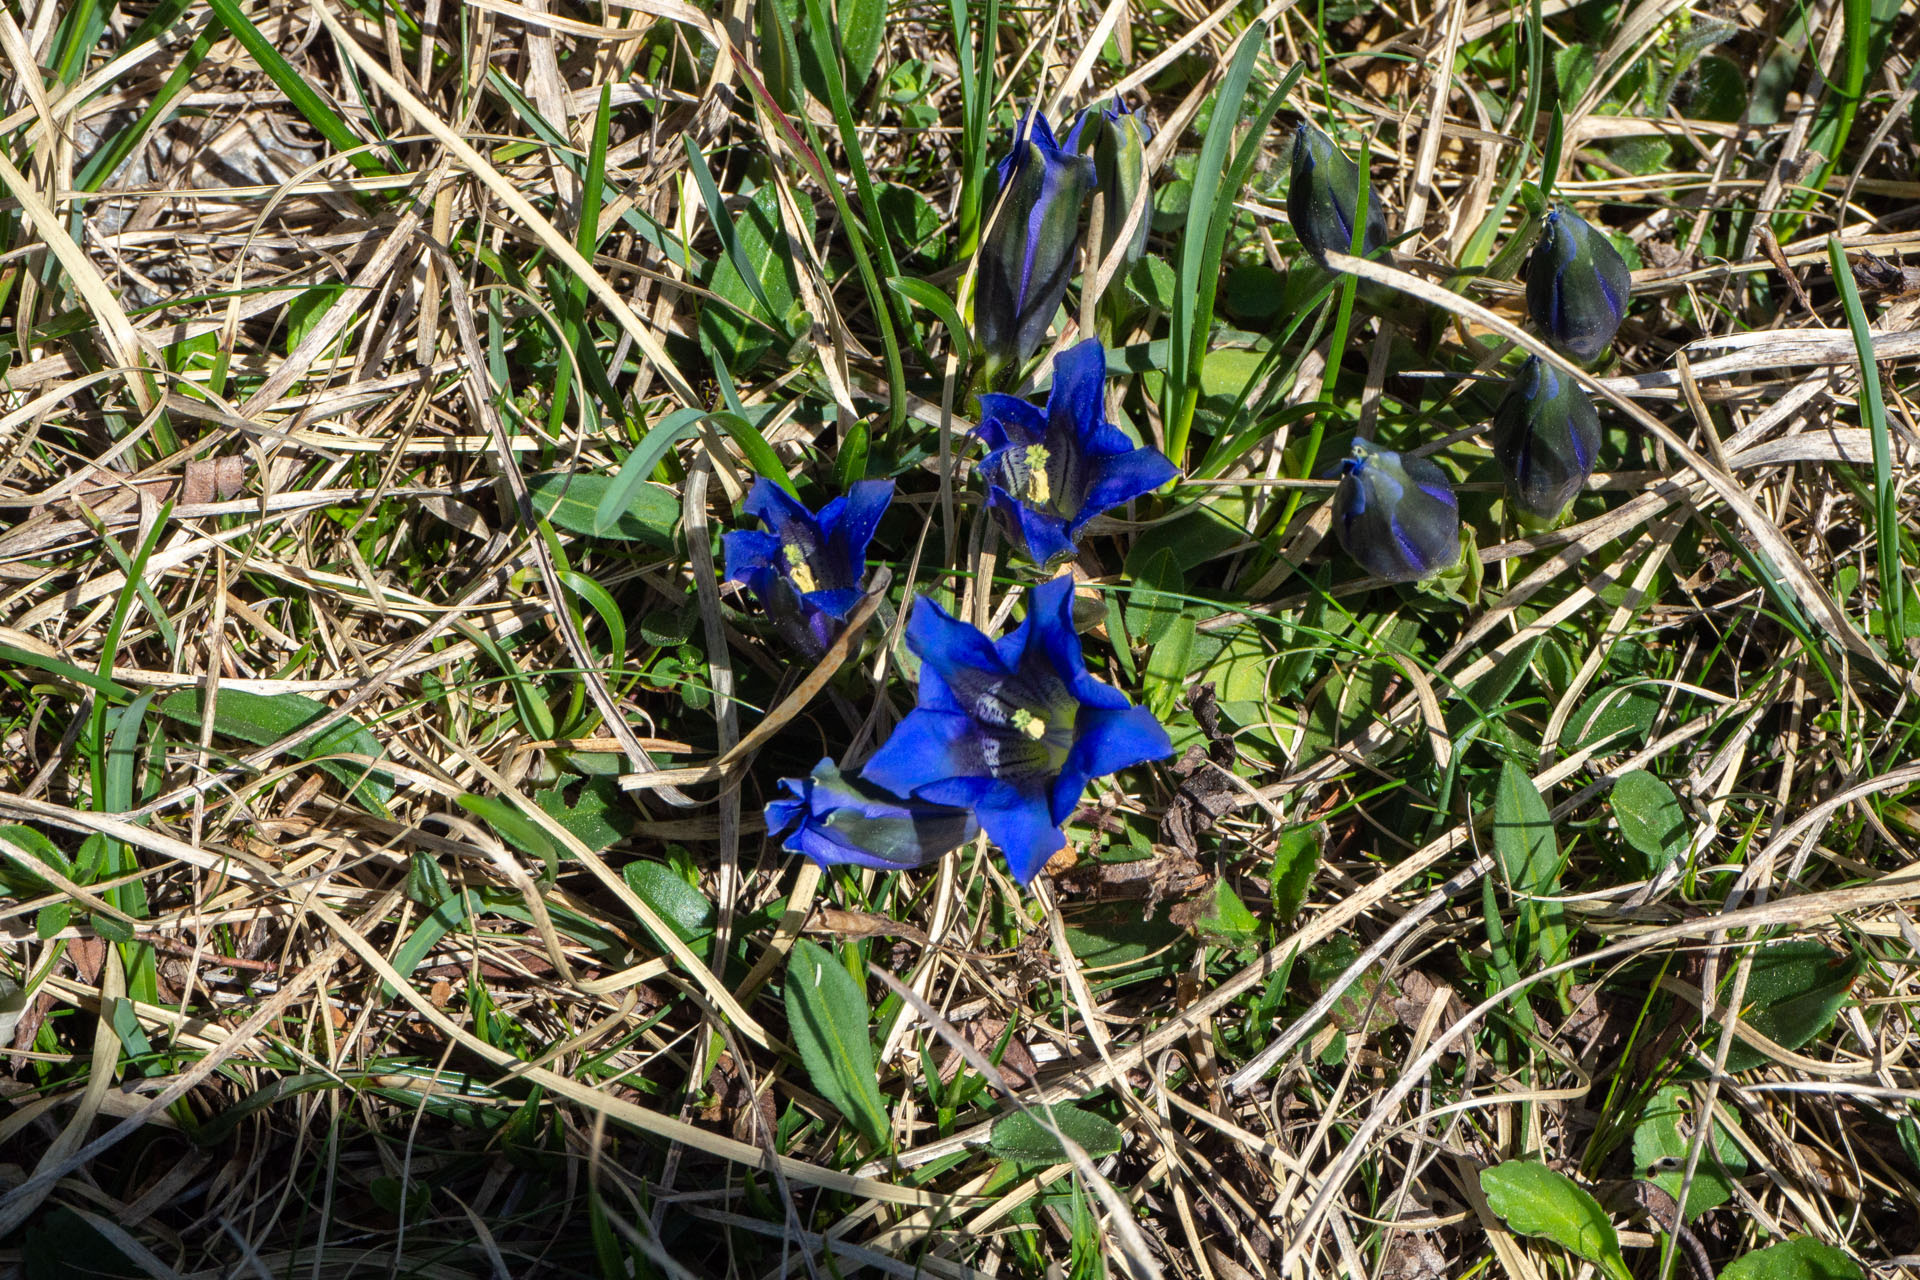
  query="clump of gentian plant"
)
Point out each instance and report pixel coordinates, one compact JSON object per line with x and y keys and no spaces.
{"x":1396,"y":514}
{"x":1577,"y":285}
{"x":836,"y":820}
{"x":1012,"y":730}
{"x":806,"y":570}
{"x":1027,"y":256}
{"x":1546,"y":435}
{"x":1049,"y":473}
{"x":1323,"y":198}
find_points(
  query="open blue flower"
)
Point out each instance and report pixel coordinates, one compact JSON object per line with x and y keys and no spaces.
{"x":806,"y":570}
{"x":838,"y":820}
{"x":1396,"y":514}
{"x":1026,"y":257}
{"x":1013,"y":730}
{"x":1048,"y":474}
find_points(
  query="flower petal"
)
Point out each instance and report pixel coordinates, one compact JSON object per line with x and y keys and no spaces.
{"x":848,"y":522}
{"x":784,"y":517}
{"x":1009,"y":420}
{"x":1043,"y":537}
{"x":1021,"y":822}
{"x":1122,"y":478}
{"x":1075,"y":403}
{"x":926,"y":748}
{"x":747,"y":551}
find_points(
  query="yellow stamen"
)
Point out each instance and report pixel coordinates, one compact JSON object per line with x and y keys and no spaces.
{"x":1038,"y":491}
{"x":1030,"y":724}
{"x":798,"y":570}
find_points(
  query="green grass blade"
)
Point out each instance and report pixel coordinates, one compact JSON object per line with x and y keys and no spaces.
{"x":1873,"y":408}
{"x":317,"y":111}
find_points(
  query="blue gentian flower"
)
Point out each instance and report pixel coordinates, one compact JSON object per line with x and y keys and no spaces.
{"x":1027,"y":255}
{"x":1048,"y":474}
{"x":1323,"y":196}
{"x":839,"y":820}
{"x":1117,"y":141}
{"x":1013,"y":730}
{"x":1396,"y":514}
{"x":1577,"y":285}
{"x":1546,"y":435}
{"x":806,"y":570}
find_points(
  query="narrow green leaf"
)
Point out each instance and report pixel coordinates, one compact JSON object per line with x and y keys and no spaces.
{"x":511,"y":825}
{"x":756,"y":449}
{"x":683,"y":908}
{"x":827,"y":1016}
{"x":299,"y":90}
{"x":261,"y":719}
{"x":619,"y":496}
{"x":64,"y":670}
{"x":1523,"y":833}
{"x":1873,"y":411}
{"x":933,"y":299}
{"x":1024,"y":1135}
{"x":1537,"y":1201}
{"x":1155,"y":603}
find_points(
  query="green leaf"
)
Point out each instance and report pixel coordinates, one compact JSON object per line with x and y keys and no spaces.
{"x":297,"y":87}
{"x":572,"y":501}
{"x":1534,"y":1200}
{"x":304,"y":312}
{"x":1226,"y":371}
{"x":1657,"y":1138}
{"x":600,"y":816}
{"x":65,"y":670}
{"x":683,"y":908}
{"x":930,"y":296}
{"x":762,"y":240}
{"x":827,"y":1016}
{"x":264,"y":719}
{"x":1295,"y":859}
{"x":1169,"y":665}
{"x":1523,"y":833}
{"x":1794,"y":991}
{"x":511,"y":825}
{"x":1227,"y":919}
{"x":646,"y":455}
{"x":1801,"y":1258}
{"x":1021,"y":1135}
{"x":1650,"y":817}
{"x":863,"y":24}
{"x":1154,"y":605}
{"x":22,"y":881}
{"x":1619,"y":717}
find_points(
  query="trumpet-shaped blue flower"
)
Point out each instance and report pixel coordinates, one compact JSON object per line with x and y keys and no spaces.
{"x":1048,"y":474}
{"x":1117,"y":141}
{"x":806,"y":570}
{"x":1577,"y":285}
{"x":1546,"y":435}
{"x":1013,"y":730}
{"x":839,"y":820}
{"x":1323,"y":196}
{"x":1396,"y":514}
{"x":1027,"y":255}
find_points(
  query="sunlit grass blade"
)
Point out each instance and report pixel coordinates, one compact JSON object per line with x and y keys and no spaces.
{"x":1873,"y":411}
{"x":313,"y":108}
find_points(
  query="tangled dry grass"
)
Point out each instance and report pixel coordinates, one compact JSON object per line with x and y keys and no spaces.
{"x":308,"y":314}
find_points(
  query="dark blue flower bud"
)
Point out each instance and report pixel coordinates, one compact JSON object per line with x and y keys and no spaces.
{"x":1117,"y":141}
{"x":1027,"y":256}
{"x":1546,"y":434}
{"x":1396,"y":514}
{"x":1577,"y":285}
{"x":836,"y":820}
{"x":1323,"y":193}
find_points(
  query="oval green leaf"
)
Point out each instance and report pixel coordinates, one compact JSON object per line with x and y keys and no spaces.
{"x":827,"y":1016}
{"x":1801,"y":1258}
{"x":1534,"y":1200}
{"x":1023,"y":1135}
